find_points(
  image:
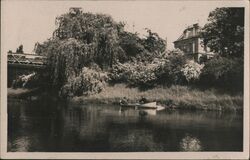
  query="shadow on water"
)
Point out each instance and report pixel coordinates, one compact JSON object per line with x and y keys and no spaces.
{"x":54,"y":126}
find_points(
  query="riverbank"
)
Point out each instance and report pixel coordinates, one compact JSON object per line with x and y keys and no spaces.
{"x":181,"y":97}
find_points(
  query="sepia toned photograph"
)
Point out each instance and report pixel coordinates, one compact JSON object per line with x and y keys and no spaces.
{"x":128,"y":78}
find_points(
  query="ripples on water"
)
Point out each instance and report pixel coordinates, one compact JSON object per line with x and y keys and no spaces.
{"x":54,"y":127}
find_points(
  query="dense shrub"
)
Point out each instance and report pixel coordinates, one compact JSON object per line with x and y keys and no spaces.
{"x":164,"y":70}
{"x":223,"y":72}
{"x":136,"y":73}
{"x":120,"y":72}
{"x":171,"y":72}
{"x":89,"y":81}
{"x":192,"y":71}
{"x":144,"y":74}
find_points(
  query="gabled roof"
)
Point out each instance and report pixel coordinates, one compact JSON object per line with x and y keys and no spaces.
{"x":188,"y":32}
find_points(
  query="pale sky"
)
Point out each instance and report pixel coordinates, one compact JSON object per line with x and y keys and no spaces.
{"x":28,"y":22}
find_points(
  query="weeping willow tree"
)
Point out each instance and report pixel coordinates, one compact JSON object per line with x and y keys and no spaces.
{"x":79,"y":40}
{"x":83,"y":39}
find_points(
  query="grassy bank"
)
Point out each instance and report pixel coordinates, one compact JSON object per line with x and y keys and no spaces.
{"x":177,"y":96}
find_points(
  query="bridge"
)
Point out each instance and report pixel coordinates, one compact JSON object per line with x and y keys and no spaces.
{"x":26,"y":61}
{"x":19,"y":64}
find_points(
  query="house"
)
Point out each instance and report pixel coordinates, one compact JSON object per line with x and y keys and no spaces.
{"x":190,"y":43}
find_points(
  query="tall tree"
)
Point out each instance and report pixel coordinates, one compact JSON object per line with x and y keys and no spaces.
{"x":19,"y":49}
{"x":79,"y":39}
{"x":98,"y":33}
{"x":154,"y":43}
{"x":224,"y":32}
{"x":131,"y":43}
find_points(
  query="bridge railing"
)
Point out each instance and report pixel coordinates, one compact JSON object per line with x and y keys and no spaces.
{"x":30,"y":59}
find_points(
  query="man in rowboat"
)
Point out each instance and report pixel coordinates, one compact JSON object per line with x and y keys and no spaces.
{"x":143,"y":100}
{"x":123,"y":101}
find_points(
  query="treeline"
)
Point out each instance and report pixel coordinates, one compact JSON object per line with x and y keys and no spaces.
{"x":89,"y":50}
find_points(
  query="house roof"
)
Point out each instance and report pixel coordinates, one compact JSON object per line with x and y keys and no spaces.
{"x":188,"y":32}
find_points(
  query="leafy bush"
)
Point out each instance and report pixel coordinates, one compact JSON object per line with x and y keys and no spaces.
{"x":171,"y":72}
{"x":120,"y":72}
{"x":136,"y":73}
{"x":88,"y":82}
{"x":143,"y":74}
{"x":192,"y":71}
{"x":223,"y":72}
{"x":164,"y":70}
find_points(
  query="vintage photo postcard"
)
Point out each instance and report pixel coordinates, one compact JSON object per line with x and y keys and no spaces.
{"x":124,"y":79}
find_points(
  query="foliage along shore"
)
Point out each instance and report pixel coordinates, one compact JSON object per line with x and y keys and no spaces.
{"x":179,"y":97}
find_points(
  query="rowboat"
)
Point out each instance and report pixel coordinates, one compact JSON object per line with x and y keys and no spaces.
{"x":150,"y":105}
{"x":130,"y":105}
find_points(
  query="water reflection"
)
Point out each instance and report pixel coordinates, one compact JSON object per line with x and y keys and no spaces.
{"x":190,"y":143}
{"x":55,"y":127}
{"x":22,"y":144}
{"x":134,"y":140}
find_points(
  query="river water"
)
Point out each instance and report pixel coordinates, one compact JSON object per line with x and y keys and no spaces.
{"x":46,"y":126}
